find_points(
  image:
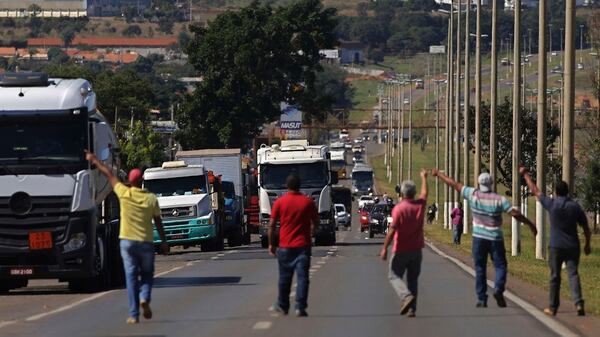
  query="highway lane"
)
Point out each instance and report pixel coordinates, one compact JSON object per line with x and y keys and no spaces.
{"x":228,"y":294}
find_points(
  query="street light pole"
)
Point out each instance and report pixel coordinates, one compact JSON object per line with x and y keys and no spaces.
{"x":540,"y":239}
{"x":550,"y":32}
{"x":410,"y":128}
{"x":401,"y":169}
{"x":561,"y":44}
{"x":448,"y":119}
{"x":477,"y":157}
{"x":457,"y":112}
{"x":580,"y":43}
{"x":516,"y":139}
{"x":467,"y":95}
{"x":494,"y":94}
{"x":569,"y":95}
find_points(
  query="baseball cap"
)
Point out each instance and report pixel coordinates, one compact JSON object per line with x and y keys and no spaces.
{"x":135,"y":175}
{"x":485,"y":182}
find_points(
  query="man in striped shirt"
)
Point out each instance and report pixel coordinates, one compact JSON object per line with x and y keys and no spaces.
{"x":488,"y":238}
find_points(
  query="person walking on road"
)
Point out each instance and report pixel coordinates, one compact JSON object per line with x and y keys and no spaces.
{"x":431,"y":212}
{"x":457,"y":223}
{"x":565,"y":215}
{"x":138,"y":208}
{"x":406,"y":230}
{"x":488,"y":238}
{"x":298,"y":217}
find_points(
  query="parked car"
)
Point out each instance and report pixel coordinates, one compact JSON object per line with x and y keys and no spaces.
{"x":378,"y":219}
{"x":342,"y":218}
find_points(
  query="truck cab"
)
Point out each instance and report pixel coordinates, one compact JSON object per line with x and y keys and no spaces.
{"x":189,"y":205}
{"x":58,"y":215}
{"x":362,"y":179}
{"x":312,"y":165}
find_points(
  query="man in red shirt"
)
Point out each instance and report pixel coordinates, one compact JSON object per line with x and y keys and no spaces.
{"x":407,"y":231}
{"x":298,"y":216}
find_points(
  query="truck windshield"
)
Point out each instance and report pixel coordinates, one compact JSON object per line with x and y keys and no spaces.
{"x":40,"y":140}
{"x":338,"y":164}
{"x":176,"y":186}
{"x":312,"y":175}
{"x":362,"y":179}
{"x":228,"y":189}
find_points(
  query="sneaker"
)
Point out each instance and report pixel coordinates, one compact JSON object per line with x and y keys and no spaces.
{"x":500,"y":299}
{"x":411,"y":313}
{"x":407,"y":304}
{"x":580,"y":309}
{"x":277,"y":309}
{"x":146,"y":311}
{"x":550,"y":311}
{"x":481,"y":304}
{"x":301,"y":313}
{"x":132,"y":320}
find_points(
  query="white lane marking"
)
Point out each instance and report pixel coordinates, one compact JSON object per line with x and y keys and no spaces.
{"x":312,"y":271}
{"x":330,"y":253}
{"x":84,"y":300}
{"x":321,"y":262}
{"x":189,"y":264}
{"x":220,"y":255}
{"x":6,"y":323}
{"x":550,"y":323}
{"x":233,"y":251}
{"x":214,"y":258}
{"x":263,"y":325}
{"x":318,"y":266}
{"x":274,"y":315}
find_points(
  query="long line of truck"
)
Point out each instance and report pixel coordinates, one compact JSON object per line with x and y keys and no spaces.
{"x":60,"y":220}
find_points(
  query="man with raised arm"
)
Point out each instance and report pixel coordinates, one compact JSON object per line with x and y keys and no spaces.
{"x":138,"y":208}
{"x":407,"y":232}
{"x":488,"y":238}
{"x":565,"y":214}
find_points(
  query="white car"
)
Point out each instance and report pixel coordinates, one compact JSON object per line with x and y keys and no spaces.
{"x":357,"y":149}
{"x":342,"y":218}
{"x":365,"y":199}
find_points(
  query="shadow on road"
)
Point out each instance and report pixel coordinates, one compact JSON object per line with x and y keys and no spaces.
{"x":195,"y":281}
{"x":355,"y":244}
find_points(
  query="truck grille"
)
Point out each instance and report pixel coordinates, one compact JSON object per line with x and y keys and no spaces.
{"x":46,"y":214}
{"x":176,"y":212}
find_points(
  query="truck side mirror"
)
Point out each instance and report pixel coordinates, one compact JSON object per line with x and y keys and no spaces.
{"x":334,"y":177}
{"x":104,"y":154}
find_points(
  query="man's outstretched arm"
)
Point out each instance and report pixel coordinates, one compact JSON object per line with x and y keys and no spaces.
{"x":530,"y":183}
{"x":423,"y":184}
{"x":457,"y":185}
{"x":102,"y":168}
{"x":523,"y":219}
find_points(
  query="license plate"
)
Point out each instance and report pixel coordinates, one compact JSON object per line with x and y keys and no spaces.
{"x":21,"y":271}
{"x":177,"y":236}
{"x":40,"y":240}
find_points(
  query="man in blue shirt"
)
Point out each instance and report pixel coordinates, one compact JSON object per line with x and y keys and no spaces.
{"x":565,"y":215}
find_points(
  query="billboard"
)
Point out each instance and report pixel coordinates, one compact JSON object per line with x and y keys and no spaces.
{"x":291,"y":118}
{"x":437,"y":49}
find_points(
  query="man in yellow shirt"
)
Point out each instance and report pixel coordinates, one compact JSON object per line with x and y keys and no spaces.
{"x":138,"y":208}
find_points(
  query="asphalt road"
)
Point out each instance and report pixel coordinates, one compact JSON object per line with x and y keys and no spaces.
{"x":227,"y":294}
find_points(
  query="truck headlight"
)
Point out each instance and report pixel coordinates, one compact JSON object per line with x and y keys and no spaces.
{"x":206,"y":219}
{"x":375,"y":221}
{"x":75,"y":242}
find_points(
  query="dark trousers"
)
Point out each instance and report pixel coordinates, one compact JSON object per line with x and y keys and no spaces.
{"x":290,"y":260}
{"x":570,"y":257}
{"x":457,"y":231}
{"x":481,"y":249}
{"x":409,"y":262}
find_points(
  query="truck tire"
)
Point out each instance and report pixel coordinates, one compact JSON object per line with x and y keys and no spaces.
{"x":215,"y":244}
{"x":235,"y":238}
{"x":247,"y":237}
{"x":102,"y":278}
{"x":371,"y":233}
{"x":264,"y":242}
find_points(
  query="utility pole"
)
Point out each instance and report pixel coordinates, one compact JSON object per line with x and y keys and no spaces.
{"x":448,"y":118}
{"x":580,"y":43}
{"x":477,"y":157}
{"x":402,"y":133}
{"x":550,"y":32}
{"x":467,"y":95}
{"x":437,"y":142}
{"x":399,"y":146}
{"x":410,"y":118}
{"x":569,"y":96}
{"x":457,"y":112}
{"x":540,"y":239}
{"x":494,"y":95}
{"x":516,"y":139}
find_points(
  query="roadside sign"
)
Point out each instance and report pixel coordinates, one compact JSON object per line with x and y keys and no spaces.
{"x":437,"y":49}
{"x":291,"y":117}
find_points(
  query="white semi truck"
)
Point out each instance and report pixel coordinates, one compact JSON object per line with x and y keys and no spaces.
{"x":312,"y":165}
{"x":58,"y":216}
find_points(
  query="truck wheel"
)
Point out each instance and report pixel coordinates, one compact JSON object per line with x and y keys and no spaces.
{"x":235,"y":238}
{"x":215,"y":244}
{"x":371,"y":233}
{"x":102,"y":278}
{"x":264,"y":242}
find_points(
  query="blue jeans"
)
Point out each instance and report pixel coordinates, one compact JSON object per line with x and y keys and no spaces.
{"x":290,"y":260}
{"x":481,"y":249}
{"x":138,"y":262}
{"x":457,"y":231}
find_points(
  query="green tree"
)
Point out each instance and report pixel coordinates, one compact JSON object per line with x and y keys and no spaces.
{"x":129,"y":13}
{"x":165,"y":25}
{"x":67,"y":36}
{"x":504,"y":136}
{"x":132,"y":30}
{"x":590,"y":184}
{"x":250,"y":61}
{"x":141,"y":147}
{"x":331,"y":84}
